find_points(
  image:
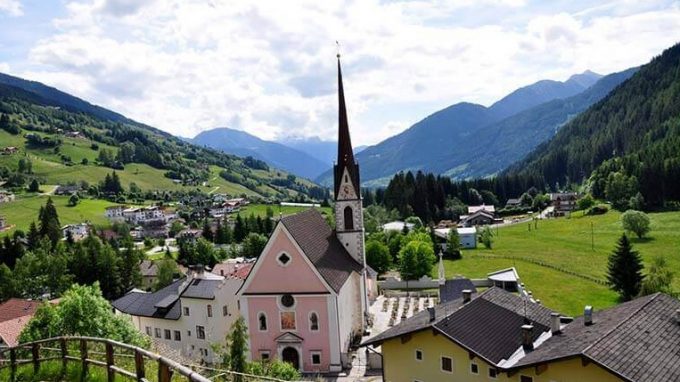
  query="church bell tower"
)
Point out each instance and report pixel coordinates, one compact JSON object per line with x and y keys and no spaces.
{"x":349,"y":219}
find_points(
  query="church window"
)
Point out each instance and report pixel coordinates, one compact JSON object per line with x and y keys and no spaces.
{"x":283,"y":259}
{"x":287,"y":300}
{"x":262,"y":319}
{"x":346,"y":180}
{"x":349,"y":218}
{"x":313,"y":322}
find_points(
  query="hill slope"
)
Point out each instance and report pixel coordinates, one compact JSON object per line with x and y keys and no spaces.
{"x":634,"y":131}
{"x":243,"y":144}
{"x":43,"y":121}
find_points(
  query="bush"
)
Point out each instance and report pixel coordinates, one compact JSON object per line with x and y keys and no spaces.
{"x":599,"y":209}
{"x":636,"y":222}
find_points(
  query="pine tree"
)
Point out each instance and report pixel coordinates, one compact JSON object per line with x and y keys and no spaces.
{"x":207,"y":231}
{"x":238,"y":345}
{"x":240,"y":230}
{"x":49,"y":222}
{"x":624,"y":272}
{"x":34,"y":236}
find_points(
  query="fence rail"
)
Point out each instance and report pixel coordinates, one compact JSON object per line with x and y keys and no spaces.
{"x":87,"y":352}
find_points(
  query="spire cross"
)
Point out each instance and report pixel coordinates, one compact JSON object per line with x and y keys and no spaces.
{"x":337,"y":45}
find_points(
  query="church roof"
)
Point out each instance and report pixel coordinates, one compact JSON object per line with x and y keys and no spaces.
{"x":317,"y":240}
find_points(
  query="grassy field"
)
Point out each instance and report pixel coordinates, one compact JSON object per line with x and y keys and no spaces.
{"x":566,"y":244}
{"x":25,"y":209}
{"x":261,"y":210}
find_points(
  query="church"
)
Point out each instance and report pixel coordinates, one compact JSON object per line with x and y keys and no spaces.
{"x":305,"y":299}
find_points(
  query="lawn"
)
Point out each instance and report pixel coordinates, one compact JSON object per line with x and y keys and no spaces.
{"x":261,"y":210}
{"x":24,"y":210}
{"x":566,"y":244}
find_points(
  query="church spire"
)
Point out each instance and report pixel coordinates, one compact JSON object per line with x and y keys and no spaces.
{"x":345,"y":154}
{"x":345,"y":160}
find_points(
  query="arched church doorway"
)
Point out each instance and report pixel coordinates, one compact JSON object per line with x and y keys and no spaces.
{"x":291,"y":356}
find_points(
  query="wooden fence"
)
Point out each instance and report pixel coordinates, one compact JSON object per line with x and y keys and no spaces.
{"x":114,"y":357}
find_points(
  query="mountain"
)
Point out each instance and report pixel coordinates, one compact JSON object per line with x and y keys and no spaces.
{"x":451,"y":140}
{"x":243,"y":144}
{"x":325,"y":151}
{"x":70,"y":140}
{"x":627,"y":142}
{"x":543,"y":91}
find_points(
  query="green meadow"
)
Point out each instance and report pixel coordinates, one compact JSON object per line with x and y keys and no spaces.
{"x":580,"y":245}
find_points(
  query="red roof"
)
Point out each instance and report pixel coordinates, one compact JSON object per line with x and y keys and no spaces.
{"x":15,"y":307}
{"x":14,"y":315}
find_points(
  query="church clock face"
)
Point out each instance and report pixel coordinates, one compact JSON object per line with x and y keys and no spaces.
{"x":345,"y":190}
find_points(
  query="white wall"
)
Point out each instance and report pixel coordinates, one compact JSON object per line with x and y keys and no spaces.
{"x":349,"y":310}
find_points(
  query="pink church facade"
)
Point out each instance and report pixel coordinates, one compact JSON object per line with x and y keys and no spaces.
{"x":305,"y":299}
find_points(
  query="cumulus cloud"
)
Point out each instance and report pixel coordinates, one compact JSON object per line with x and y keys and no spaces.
{"x":11,"y":7}
{"x":268,"y":67}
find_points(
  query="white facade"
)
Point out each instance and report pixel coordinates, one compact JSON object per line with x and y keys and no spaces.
{"x":467,"y":235}
{"x":202,"y":321}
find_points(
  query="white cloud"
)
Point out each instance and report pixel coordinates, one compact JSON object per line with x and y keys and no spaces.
{"x":11,"y":7}
{"x":268,"y":67}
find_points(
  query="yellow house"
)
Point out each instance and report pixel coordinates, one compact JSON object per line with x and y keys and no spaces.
{"x":498,"y":336}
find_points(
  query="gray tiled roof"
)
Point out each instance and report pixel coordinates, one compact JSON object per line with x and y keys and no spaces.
{"x":311,"y":232}
{"x":453,"y":289}
{"x":144,"y":304}
{"x":200,"y":288}
{"x":489,"y":325}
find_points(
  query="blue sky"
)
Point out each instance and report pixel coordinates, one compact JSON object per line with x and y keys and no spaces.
{"x":268,"y":67}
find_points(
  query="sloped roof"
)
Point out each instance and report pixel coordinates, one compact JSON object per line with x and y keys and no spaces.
{"x":489,"y":325}
{"x":453,"y":289}
{"x":144,"y":304}
{"x":319,"y":243}
{"x":199,"y":288}
{"x":637,"y":340}
{"x":16,"y":307}
{"x":11,"y":329}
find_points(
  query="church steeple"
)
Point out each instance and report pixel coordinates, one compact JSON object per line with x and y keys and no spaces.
{"x":345,"y":163}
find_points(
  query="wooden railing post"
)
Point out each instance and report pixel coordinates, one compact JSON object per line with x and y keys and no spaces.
{"x":109,"y":363}
{"x":139,"y":365}
{"x":13,"y":364}
{"x":164,"y":371}
{"x":35,"y":353}
{"x":83,"y":359}
{"x":64,"y":354}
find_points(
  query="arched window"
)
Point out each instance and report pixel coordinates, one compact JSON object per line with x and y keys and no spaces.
{"x":262,"y":318}
{"x":349,"y":218}
{"x":313,"y":322}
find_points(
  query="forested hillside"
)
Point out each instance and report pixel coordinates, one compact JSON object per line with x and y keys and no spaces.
{"x":629,"y":142}
{"x":67,"y":140}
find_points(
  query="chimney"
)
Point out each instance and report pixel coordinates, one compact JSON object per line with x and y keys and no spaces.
{"x":527,"y":337}
{"x":431,"y":311}
{"x":677,"y":316}
{"x":555,"y":323}
{"x":588,"y":315}
{"x":467,"y":295}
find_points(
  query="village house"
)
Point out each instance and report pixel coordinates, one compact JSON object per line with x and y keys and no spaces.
{"x":9,"y":150}
{"x":189,"y":315}
{"x":149,"y":271}
{"x":479,"y":215}
{"x":6,"y":196}
{"x":499,"y":336}
{"x":316,"y":310}
{"x":513,"y":203}
{"x":14,"y":315}
{"x":467,"y":236}
{"x":67,"y":189}
{"x":397,"y":226}
{"x":77,"y":231}
{"x":563,"y":202}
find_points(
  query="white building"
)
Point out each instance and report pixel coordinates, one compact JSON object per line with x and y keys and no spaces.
{"x":467,"y":235}
{"x":397,"y":226}
{"x":137,"y":215}
{"x":78,"y":231}
{"x":189,"y":315}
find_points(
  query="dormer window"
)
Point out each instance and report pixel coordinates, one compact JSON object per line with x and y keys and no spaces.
{"x":283,"y":259}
